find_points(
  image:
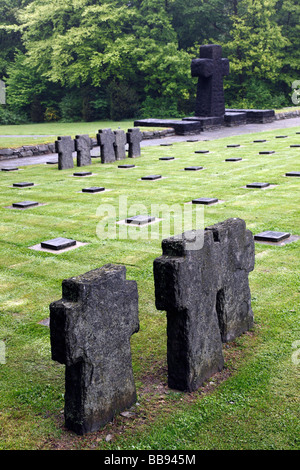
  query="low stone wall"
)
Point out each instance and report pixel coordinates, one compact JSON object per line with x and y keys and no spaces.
{"x":287,"y":115}
{"x":26,"y":151}
{"x":45,"y":149}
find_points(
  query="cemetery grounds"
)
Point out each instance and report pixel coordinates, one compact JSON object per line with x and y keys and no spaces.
{"x":254,"y":402}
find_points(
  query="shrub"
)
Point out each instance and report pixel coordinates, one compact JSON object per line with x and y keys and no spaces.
{"x":158,"y":108}
{"x":71,"y":107}
{"x":123,"y":101}
{"x":51,"y":114}
{"x":8,"y":117}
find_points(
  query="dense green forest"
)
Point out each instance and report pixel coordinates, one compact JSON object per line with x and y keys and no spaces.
{"x":95,"y":59}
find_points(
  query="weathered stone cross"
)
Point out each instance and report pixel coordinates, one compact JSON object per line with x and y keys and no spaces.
{"x":210,"y":69}
{"x":90,"y":330}
{"x":207,"y":298}
{"x":65,"y":147}
{"x":106,"y":140}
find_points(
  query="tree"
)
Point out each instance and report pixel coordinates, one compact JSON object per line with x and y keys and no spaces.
{"x":86,"y":43}
{"x":255,"y":50}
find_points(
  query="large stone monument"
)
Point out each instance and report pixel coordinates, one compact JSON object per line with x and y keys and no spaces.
{"x":90,"y":330}
{"x":65,"y":147}
{"x":206,"y":295}
{"x":210,"y":70}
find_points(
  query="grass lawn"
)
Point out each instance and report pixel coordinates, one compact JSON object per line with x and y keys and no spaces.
{"x":33,"y":134}
{"x":254,"y":402}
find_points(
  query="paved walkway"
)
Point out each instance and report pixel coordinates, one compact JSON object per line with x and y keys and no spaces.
{"x":210,"y":135}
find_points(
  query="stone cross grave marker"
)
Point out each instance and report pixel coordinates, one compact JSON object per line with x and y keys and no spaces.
{"x":106,"y":139}
{"x":134,"y":139}
{"x":65,"y":147}
{"x":210,"y":69}
{"x":206,"y":295}
{"x":90,"y":330}
{"x":120,"y":144}
{"x":83,"y":149}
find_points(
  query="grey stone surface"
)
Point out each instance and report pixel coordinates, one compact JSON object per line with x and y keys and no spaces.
{"x":193,"y":168}
{"x":83,"y":149}
{"x":183,"y":127}
{"x":59,"y":243}
{"x":293,"y":173}
{"x":93,"y":189}
{"x":82,"y":173}
{"x":261,"y":116}
{"x":140,"y":219}
{"x":151,"y":177}
{"x":106,"y":140}
{"x":64,"y":146}
{"x":271,"y":236}
{"x":134,"y":139}
{"x":23,"y":185}
{"x":206,"y":295}
{"x":257,"y":185}
{"x":120,"y":144}
{"x":210,"y":70}
{"x":90,"y":330}
{"x":25,"y":204}
{"x":205,"y":200}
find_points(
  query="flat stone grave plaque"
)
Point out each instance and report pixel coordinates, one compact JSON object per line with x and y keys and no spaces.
{"x":270,"y":236}
{"x":295,"y":145}
{"x":167,"y":158}
{"x":22,"y":185}
{"x":259,"y":140}
{"x":205,"y":200}
{"x":52,"y":163}
{"x":281,"y":136}
{"x":257,"y":185}
{"x":25,"y":204}
{"x":9,"y":169}
{"x":266,"y":152}
{"x":140,"y":219}
{"x":237,"y":159}
{"x":126,"y":166}
{"x":202,"y":151}
{"x":233,"y":145}
{"x":93,"y":189}
{"x":151,"y":177}
{"x":194,"y":168}
{"x":165,"y":145}
{"x":293,"y":173}
{"x":82,"y":173}
{"x":57,"y":244}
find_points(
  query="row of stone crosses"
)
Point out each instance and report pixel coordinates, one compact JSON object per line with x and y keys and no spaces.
{"x":205,"y":293}
{"x":112,"y":147}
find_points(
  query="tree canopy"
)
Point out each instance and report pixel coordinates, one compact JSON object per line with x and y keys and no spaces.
{"x":92,"y":59}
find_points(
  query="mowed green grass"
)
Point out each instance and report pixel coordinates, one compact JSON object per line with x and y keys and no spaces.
{"x":34,"y":134}
{"x":254,"y":402}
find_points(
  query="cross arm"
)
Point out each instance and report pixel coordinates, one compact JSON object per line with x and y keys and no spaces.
{"x":202,"y":67}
